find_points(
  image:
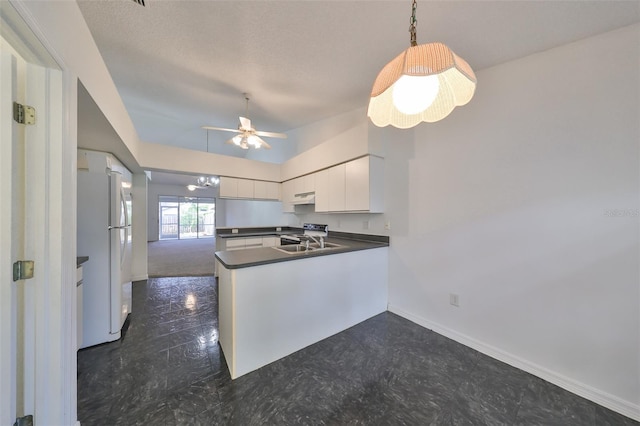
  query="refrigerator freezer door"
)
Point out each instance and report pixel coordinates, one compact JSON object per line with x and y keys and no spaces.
{"x":120,"y":252}
{"x":127,"y":253}
{"x":116,"y":228}
{"x":104,"y":235}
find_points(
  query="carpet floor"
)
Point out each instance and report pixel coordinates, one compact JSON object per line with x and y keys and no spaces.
{"x":181,"y":258}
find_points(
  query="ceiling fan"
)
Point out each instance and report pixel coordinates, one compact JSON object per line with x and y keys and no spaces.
{"x":248,"y":136}
{"x":204,"y":182}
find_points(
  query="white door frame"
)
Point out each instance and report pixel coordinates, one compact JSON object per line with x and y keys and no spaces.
{"x":8,"y":292}
{"x":50,"y":324}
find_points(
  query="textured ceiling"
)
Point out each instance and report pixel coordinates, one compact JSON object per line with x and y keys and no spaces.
{"x":179,"y":65}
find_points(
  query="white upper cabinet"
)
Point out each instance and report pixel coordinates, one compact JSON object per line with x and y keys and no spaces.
{"x":322,"y":190}
{"x":309,"y":183}
{"x":259,"y":189}
{"x":304,"y":184}
{"x":247,"y":188}
{"x":287,"y":195}
{"x":297,"y":187}
{"x":228,"y":187}
{"x":273,"y":190}
{"x":337,"y":202}
{"x":364,"y":185}
{"x":355,"y":186}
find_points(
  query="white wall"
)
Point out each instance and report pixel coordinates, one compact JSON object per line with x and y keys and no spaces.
{"x":331,"y":141}
{"x":281,"y":150}
{"x":65,"y":32}
{"x":156,"y":190}
{"x":247,"y":213}
{"x":139,"y":227}
{"x":314,"y":134}
{"x":155,"y":156}
{"x":508,"y":204}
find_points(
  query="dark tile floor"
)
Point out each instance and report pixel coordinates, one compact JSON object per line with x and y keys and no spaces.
{"x":168,"y":369}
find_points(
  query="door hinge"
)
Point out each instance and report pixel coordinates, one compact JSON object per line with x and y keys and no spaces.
{"x":24,"y":421}
{"x":23,"y":270}
{"x":24,"y":114}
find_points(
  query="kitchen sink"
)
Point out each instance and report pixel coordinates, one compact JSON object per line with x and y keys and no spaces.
{"x":327,"y":246}
{"x":301,"y":248}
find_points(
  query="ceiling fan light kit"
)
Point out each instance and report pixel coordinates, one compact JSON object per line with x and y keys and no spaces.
{"x":423,"y":83}
{"x":251,"y":140}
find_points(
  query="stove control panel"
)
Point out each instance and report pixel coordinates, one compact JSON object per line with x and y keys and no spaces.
{"x":315,"y":229}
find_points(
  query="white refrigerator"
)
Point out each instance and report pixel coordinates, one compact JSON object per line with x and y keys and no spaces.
{"x":104,"y":234}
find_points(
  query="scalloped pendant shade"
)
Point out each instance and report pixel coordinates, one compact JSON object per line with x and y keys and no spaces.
{"x":456,"y":85}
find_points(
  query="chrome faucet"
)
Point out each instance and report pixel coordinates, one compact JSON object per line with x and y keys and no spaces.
{"x":313,"y":230}
{"x":320,"y":243}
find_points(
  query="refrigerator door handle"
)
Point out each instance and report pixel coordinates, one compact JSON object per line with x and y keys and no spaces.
{"x":119,"y":227}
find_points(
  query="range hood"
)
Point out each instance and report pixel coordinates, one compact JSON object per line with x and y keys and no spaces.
{"x":307,"y":198}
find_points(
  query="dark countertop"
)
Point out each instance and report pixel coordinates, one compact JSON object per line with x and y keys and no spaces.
{"x":257,"y":232}
{"x":237,"y":259}
{"x":80,"y":260}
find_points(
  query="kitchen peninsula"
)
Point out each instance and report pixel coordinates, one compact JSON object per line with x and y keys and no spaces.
{"x":275,"y":302}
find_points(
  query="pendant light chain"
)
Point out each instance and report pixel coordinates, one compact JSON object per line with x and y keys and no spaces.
{"x":412,"y":23}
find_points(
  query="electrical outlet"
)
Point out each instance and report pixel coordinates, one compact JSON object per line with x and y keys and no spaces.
{"x":365,"y":224}
{"x":338,"y":223}
{"x":234,"y":231}
{"x":387,"y":225}
{"x":278,"y":229}
{"x":454,"y":299}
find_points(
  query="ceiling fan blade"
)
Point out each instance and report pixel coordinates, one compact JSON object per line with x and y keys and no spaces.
{"x":245,"y":123}
{"x":271,"y":134}
{"x":221,"y":128}
{"x":263,"y":144}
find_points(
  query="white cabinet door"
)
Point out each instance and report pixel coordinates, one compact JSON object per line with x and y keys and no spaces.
{"x":245,"y":188}
{"x":273,"y":190}
{"x":322,"y":191}
{"x":253,"y":242}
{"x":228,"y":187}
{"x":270,"y":241}
{"x":287,"y":196}
{"x":309,"y":183}
{"x":337,"y":188}
{"x":260,"y":189}
{"x":298,"y":187}
{"x":235,"y":244}
{"x":357,"y":185}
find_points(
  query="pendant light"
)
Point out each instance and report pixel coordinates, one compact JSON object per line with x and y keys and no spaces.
{"x":204,"y":182}
{"x":423,"y":83}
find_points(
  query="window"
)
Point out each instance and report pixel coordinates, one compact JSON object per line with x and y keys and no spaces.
{"x":186,"y":217}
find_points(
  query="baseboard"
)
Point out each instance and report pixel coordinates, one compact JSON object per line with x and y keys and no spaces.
{"x":609,"y":401}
